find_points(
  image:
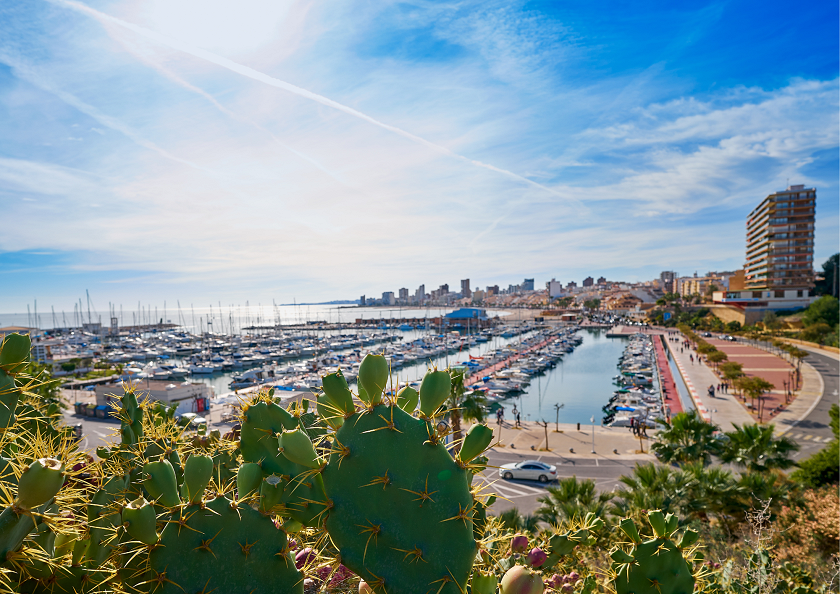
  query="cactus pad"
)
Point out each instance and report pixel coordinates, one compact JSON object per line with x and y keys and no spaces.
{"x":401,"y":509}
{"x":222,"y":547}
{"x":655,"y":566}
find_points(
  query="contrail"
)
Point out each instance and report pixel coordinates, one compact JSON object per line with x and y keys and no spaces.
{"x":178,"y":80}
{"x":30,"y":76}
{"x":277,"y":83}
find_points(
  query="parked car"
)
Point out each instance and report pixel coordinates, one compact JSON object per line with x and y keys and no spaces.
{"x":531,"y":470}
{"x":186,"y":418}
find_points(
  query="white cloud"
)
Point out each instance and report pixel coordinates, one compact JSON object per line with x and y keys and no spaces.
{"x":222,"y":173}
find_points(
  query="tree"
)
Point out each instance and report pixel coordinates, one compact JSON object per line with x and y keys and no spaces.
{"x":462,"y":406}
{"x":717,"y":357}
{"x":754,"y":388}
{"x":714,"y":491}
{"x":592,"y":304}
{"x":771,"y":321}
{"x":733,"y":326}
{"x":816,"y":332}
{"x":828,"y":286}
{"x":823,"y":468}
{"x":824,"y":310}
{"x":572,"y":499}
{"x":731,"y":370}
{"x":753,"y":447}
{"x":651,"y":486}
{"x":687,"y":438}
{"x":514,"y":521}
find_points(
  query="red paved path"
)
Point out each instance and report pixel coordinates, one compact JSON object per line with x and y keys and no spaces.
{"x":669,"y":387}
{"x":759,"y":363}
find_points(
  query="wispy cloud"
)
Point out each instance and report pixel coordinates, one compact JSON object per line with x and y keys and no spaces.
{"x":357,"y":147}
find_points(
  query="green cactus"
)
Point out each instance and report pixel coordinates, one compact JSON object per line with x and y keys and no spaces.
{"x":14,"y":353}
{"x":303,"y":491}
{"x":9,"y":396}
{"x":658,"y":565}
{"x":401,"y":511}
{"x":224,"y":547}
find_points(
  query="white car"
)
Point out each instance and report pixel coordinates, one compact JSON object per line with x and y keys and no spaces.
{"x":531,"y":470}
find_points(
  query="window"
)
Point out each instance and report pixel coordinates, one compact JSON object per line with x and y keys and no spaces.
{"x":799,"y":293}
{"x":756,"y":294}
{"x":779,"y":294}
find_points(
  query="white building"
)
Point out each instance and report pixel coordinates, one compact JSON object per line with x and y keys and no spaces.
{"x":555,"y":288}
{"x":388,"y":298}
{"x":186,"y":396}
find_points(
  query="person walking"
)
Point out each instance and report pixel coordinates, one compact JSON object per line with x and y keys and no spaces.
{"x":518,"y":419}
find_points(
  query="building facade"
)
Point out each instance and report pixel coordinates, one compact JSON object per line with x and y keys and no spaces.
{"x":528,"y":284}
{"x":465,"y":288}
{"x":780,"y":243}
{"x":666,"y":280}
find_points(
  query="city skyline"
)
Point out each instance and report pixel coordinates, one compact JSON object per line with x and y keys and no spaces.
{"x":200,"y":151}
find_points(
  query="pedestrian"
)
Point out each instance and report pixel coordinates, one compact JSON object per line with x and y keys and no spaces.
{"x":518,"y":420}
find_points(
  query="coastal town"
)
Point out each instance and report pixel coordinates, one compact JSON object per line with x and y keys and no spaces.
{"x":419,"y":297}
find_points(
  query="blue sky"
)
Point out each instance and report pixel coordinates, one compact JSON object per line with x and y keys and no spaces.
{"x":228,"y":151}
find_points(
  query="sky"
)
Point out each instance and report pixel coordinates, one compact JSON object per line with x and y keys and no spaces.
{"x":219,"y":151}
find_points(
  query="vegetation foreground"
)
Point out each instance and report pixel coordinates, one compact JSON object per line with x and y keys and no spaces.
{"x":375,"y":492}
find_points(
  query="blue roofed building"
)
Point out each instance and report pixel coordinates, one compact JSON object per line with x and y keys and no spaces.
{"x":466,"y":313}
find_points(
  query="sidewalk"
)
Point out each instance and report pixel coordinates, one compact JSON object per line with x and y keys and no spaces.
{"x":571,"y":444}
{"x":723,"y":409}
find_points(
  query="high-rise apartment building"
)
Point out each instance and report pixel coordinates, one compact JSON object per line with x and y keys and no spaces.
{"x":528,"y":285}
{"x":404,"y":295}
{"x":588,"y":281}
{"x":780,"y":242}
{"x":420,"y":294}
{"x":465,"y":288}
{"x":666,"y":280}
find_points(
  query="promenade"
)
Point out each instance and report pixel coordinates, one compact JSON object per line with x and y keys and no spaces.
{"x":571,"y":443}
{"x":722,"y":409}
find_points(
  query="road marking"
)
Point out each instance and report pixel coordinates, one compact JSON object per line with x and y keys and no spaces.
{"x":808,"y":437}
{"x":797,"y":436}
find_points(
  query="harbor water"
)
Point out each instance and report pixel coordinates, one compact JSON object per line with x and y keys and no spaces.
{"x":581,"y":381}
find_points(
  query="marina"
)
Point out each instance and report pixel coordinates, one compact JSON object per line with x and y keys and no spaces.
{"x":545,"y":371}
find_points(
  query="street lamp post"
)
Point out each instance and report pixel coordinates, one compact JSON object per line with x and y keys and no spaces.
{"x":592,"y":420}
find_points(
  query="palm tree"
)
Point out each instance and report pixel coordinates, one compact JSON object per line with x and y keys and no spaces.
{"x":773,"y":486}
{"x":687,"y":438}
{"x":469,"y":408}
{"x":754,"y":448}
{"x":514,"y":521}
{"x":651,"y":486}
{"x":572,"y":499}
{"x":714,"y":491}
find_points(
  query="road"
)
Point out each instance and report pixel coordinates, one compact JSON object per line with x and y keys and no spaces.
{"x":524,"y":494}
{"x":813,"y":432}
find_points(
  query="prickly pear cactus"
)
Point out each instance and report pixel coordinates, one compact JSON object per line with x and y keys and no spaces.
{"x":400,"y":507}
{"x":303,"y":492}
{"x":222,"y":546}
{"x":658,"y":565}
